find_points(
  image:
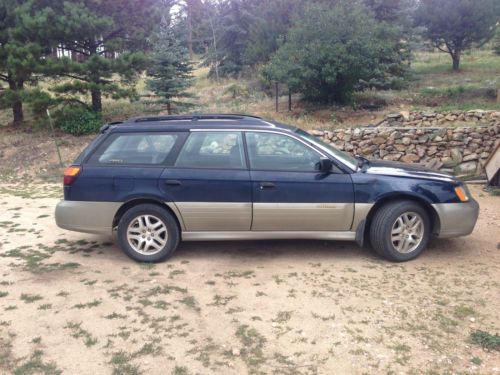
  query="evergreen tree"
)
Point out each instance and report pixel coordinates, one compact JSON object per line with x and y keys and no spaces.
{"x":107,"y":41}
{"x":331,"y":52}
{"x":170,"y":71}
{"x":455,"y":25}
{"x":269,"y":24}
{"x":24,"y":44}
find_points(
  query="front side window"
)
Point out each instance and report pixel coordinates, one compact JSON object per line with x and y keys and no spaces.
{"x":271,"y":151}
{"x":128,"y":148}
{"x":212,"y":150}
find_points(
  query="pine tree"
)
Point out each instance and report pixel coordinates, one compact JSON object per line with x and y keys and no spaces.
{"x":330,"y":52}
{"x":232,"y":24}
{"x":170,"y":71}
{"x":107,"y":41}
{"x":24,"y":44}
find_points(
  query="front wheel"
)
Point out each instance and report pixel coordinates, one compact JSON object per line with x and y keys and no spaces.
{"x":148,"y":233}
{"x":400,"y":230}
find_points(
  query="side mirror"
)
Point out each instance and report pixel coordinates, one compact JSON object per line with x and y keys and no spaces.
{"x":325,"y":165}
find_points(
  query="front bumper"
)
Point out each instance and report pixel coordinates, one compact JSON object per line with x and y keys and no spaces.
{"x":457,"y":219}
{"x":87,"y":217}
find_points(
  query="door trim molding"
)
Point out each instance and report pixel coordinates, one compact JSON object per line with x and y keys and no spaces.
{"x":268,"y":235}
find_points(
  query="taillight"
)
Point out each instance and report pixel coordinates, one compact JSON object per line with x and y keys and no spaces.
{"x":70,"y":175}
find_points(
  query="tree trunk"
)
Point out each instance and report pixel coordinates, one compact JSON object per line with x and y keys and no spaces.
{"x":17,"y":111}
{"x":94,"y":78}
{"x":169,"y":108}
{"x":276,"y":91}
{"x":216,"y":63}
{"x":17,"y":104}
{"x":189,"y":20}
{"x":456,"y":60}
{"x":96,"y":100}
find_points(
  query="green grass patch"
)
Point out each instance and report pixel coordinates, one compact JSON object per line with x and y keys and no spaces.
{"x":30,"y":298}
{"x":485,"y":340}
{"x":35,"y":365}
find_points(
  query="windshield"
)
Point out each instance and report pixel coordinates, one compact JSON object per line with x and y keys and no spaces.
{"x":347,"y":159}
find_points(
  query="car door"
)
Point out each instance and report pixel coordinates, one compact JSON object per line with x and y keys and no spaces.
{"x":210,"y":182}
{"x":289,"y":192}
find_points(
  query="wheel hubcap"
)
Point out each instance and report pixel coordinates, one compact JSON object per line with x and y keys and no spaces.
{"x":407,"y":232}
{"x":147,"y":234}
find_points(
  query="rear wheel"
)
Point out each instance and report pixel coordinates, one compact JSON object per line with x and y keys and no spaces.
{"x":148,"y":233}
{"x":400,"y":230}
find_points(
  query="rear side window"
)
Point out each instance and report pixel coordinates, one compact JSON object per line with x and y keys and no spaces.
{"x":133,"y":148}
{"x":88,"y":150}
{"x":212,"y":150}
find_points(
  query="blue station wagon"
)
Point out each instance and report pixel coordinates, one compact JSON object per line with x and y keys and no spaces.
{"x":159,"y":180}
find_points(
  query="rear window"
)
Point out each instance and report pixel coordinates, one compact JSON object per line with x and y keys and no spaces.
{"x":134,"y":148}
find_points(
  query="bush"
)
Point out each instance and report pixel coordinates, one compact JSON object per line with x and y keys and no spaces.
{"x":78,"y":120}
{"x":486,"y":340}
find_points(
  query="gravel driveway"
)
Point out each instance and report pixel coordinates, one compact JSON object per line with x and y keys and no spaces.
{"x":73,"y":303}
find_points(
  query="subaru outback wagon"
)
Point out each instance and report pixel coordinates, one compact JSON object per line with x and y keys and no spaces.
{"x":159,"y":180}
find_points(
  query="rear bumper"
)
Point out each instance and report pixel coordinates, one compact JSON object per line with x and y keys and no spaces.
{"x":88,"y":217}
{"x":457,"y":219}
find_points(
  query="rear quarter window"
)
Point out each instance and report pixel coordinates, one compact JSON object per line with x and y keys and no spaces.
{"x":135,"y":149}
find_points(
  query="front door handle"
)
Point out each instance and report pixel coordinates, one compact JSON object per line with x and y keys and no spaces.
{"x":172,"y":182}
{"x":267,"y":185}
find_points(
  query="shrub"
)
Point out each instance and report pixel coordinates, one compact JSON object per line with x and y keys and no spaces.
{"x":78,"y":120}
{"x":486,"y":340}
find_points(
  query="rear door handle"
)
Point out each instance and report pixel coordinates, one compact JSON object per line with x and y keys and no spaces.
{"x":172,"y":182}
{"x":267,"y":185}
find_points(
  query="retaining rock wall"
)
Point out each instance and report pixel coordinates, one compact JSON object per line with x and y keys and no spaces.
{"x":458,"y":150}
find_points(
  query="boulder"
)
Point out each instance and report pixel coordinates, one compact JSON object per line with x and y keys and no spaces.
{"x":456,"y":155}
{"x":378,"y":140}
{"x":393,"y":157}
{"x":406,"y":140}
{"x":431,"y":150}
{"x":369,"y":150}
{"x":434,"y":163}
{"x":410,"y":158}
{"x":394,"y":116}
{"x":466,"y":168}
{"x":470,"y":157}
{"x":405,"y":115}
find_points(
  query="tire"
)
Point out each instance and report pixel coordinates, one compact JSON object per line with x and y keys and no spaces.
{"x":410,"y":235}
{"x":138,"y":227}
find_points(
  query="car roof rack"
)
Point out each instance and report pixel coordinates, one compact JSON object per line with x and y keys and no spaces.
{"x":196,"y":117}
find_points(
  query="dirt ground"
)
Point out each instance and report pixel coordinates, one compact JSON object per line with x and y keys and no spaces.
{"x":74,"y":303}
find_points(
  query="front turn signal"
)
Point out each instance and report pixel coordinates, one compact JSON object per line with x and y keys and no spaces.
{"x":461,"y":194}
{"x":70,"y":175}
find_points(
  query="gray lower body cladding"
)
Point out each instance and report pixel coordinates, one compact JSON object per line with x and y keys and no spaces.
{"x":233,"y":221}
{"x":457,"y":219}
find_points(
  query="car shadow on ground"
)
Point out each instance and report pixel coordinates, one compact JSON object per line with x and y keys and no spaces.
{"x":271,"y":249}
{"x":309,"y":250}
